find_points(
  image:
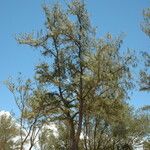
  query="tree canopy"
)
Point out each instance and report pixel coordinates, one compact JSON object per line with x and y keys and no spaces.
{"x":81,"y":87}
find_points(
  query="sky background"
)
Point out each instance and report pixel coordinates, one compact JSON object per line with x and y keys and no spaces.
{"x":20,"y":16}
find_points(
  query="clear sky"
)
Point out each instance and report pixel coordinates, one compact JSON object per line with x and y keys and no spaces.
{"x":19,"y":16}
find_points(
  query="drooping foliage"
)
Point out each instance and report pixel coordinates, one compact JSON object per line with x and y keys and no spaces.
{"x":82,"y":86}
{"x":82,"y":72}
{"x":145,"y":74}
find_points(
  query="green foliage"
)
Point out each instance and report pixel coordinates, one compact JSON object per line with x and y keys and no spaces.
{"x":145,"y":74}
{"x":109,"y":131}
{"x":146,"y":23}
{"x":49,"y":139}
{"x":30,"y":121}
{"x":85,"y":75}
{"x":147,"y":145}
{"x":81,"y":87}
{"x":9,"y":132}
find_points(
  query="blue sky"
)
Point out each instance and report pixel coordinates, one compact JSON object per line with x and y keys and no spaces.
{"x":20,"y":16}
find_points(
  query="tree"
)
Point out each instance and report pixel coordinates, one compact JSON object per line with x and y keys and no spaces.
{"x":146,"y":142}
{"x":145,"y":75}
{"x":9,"y":132}
{"x":54,"y":140}
{"x":83,"y":74}
{"x":126,"y":128}
{"x":147,"y":145}
{"x":126,"y":131}
{"x":29,"y":126}
{"x":146,"y":25}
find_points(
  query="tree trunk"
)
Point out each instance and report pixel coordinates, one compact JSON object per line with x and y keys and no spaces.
{"x":73,"y":145}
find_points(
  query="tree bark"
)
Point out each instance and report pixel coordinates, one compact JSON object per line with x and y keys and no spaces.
{"x":73,"y":145}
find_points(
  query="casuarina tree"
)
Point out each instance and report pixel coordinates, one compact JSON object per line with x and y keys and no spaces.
{"x":82,"y":75}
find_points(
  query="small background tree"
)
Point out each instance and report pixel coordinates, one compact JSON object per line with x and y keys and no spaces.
{"x":9,"y":132}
